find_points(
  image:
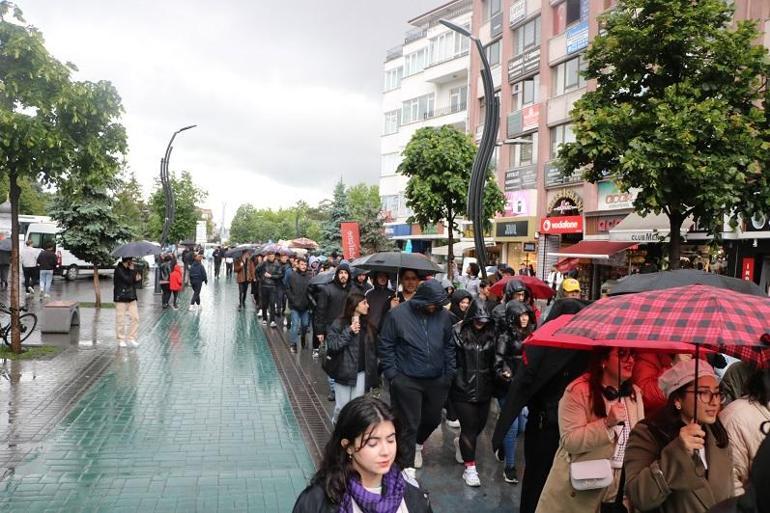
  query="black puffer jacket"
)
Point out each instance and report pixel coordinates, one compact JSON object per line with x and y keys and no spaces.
{"x":297,"y":291}
{"x":314,"y":500}
{"x":275,"y":269}
{"x":508,"y":350}
{"x":346,"y":349}
{"x":474,"y":381}
{"x":331,"y":301}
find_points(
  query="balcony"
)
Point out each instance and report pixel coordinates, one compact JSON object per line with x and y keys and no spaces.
{"x":559,"y":107}
{"x":521,"y":10}
{"x":415,"y":34}
{"x":394,"y":53}
{"x":523,"y":120}
{"x":448,"y":70}
{"x":571,"y":41}
{"x":524,"y":64}
{"x":440,"y":113}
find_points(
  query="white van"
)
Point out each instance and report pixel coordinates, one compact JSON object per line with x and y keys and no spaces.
{"x":68,"y":264}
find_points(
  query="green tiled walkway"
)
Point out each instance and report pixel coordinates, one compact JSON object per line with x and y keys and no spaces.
{"x":195,"y":420}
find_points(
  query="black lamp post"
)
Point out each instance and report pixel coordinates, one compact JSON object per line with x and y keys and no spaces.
{"x":168,"y":194}
{"x":484,"y":154}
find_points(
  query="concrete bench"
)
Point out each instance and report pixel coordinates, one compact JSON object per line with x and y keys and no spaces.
{"x":60,"y":316}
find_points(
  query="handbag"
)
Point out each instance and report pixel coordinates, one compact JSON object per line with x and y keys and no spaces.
{"x":591,"y":474}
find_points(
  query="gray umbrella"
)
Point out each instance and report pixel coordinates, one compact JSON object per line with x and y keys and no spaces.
{"x":681,"y":277}
{"x":322,"y":278}
{"x":136,"y":249}
{"x":393,"y":261}
{"x":240,"y":250}
{"x":5,"y":245}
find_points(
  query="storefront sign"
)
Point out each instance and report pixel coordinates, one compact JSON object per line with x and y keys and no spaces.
{"x":565,"y":203}
{"x":748,"y":269}
{"x":516,"y":203}
{"x":398,"y":230}
{"x":577,"y":37}
{"x":512,"y":229}
{"x":528,"y":62}
{"x":529,"y":247}
{"x":517,"y":12}
{"x":521,"y":178}
{"x":561,"y":225}
{"x":605,"y":224}
{"x":611,"y":198}
{"x":554,"y":177}
{"x":530,"y":117}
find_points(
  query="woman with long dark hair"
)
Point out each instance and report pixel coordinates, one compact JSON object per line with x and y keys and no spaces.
{"x":675,"y":462}
{"x":596,"y":414}
{"x":360,"y":471}
{"x":351,"y":359}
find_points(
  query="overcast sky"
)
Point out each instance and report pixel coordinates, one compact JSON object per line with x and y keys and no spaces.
{"x":286,"y":95}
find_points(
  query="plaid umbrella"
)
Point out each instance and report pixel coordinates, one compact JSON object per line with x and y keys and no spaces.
{"x":538,"y":288}
{"x":670,"y":320}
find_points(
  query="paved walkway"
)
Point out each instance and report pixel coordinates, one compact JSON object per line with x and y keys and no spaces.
{"x":196,"y":419}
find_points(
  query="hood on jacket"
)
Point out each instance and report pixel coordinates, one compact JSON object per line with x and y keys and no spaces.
{"x":566,"y":306}
{"x":343,"y":267}
{"x":477,"y":311}
{"x":458,"y":296}
{"x":514,"y":309}
{"x":514,"y":286}
{"x":430,"y":292}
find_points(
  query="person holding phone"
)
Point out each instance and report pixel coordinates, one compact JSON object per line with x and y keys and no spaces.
{"x":124,"y":295}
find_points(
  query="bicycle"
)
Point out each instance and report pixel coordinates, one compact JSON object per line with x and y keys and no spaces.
{"x":27,"y":323}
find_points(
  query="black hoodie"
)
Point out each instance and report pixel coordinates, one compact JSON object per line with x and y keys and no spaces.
{"x":454,"y":308}
{"x":331,"y":300}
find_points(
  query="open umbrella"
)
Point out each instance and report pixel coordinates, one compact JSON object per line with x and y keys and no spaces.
{"x":136,"y":249}
{"x":5,"y":245}
{"x":681,"y":277}
{"x":322,"y":278}
{"x":538,"y":288}
{"x":393,"y":261}
{"x":237,"y":252}
{"x":303,"y":243}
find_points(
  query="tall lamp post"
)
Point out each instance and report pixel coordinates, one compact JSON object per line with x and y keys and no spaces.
{"x":168,"y":194}
{"x":486,"y":148}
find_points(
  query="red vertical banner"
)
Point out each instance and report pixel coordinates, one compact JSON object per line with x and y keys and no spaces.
{"x":747,"y":272}
{"x":351,"y":240}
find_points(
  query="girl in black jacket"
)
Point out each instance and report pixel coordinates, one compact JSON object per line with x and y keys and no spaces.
{"x":360,"y":466}
{"x":473,"y":384}
{"x":350,"y":355}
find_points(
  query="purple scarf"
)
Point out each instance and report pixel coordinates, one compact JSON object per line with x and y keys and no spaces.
{"x":393,"y":487}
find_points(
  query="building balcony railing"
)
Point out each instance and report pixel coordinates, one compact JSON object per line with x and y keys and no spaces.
{"x":415,"y":34}
{"x":437,"y":113}
{"x":394,"y":53}
{"x":464,"y":53}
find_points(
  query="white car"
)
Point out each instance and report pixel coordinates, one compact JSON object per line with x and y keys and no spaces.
{"x":68,"y":265}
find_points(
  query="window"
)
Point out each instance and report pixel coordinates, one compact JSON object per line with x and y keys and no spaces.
{"x":559,"y":135}
{"x":417,"y":109}
{"x":573,"y":11}
{"x":527,"y":36}
{"x":389,"y":163}
{"x":495,"y":7}
{"x":569,"y":75}
{"x":462,"y":43}
{"x":414,"y":62}
{"x":458,"y":98}
{"x":389,"y":206}
{"x":392,"y":122}
{"x":493,"y":53}
{"x":525,"y":92}
{"x":524,"y":154}
{"x":393,"y":78}
{"x":41,"y":240}
{"x":447,"y":46}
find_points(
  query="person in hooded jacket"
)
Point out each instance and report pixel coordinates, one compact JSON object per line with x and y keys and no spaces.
{"x":519,"y":324}
{"x":417,"y":355}
{"x":197,"y":278}
{"x":539,"y":385}
{"x":473,"y":384}
{"x":330,"y":305}
{"x":361,"y":281}
{"x":271,"y":271}
{"x":458,"y":307}
{"x":379,"y":297}
{"x":297,"y":294}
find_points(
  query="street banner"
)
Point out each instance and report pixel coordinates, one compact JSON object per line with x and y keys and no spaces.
{"x":748,"y":269}
{"x":351,"y":240}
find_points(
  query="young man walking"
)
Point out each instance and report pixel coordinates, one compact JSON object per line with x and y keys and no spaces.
{"x":297,"y":294}
{"x":29,"y":256}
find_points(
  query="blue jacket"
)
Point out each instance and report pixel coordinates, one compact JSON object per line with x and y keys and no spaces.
{"x":415,"y":343}
{"x":198,"y":273}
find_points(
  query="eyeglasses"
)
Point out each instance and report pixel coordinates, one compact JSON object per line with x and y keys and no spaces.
{"x":626,"y":354}
{"x":706,"y":396}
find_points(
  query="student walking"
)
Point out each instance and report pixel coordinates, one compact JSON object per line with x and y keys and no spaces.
{"x":124,"y":296}
{"x":197,"y":278}
{"x":175,"y":282}
{"x":46,"y":264}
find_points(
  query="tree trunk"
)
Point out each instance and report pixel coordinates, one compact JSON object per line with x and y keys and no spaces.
{"x":14,"y":193}
{"x":450,"y":253}
{"x":97,"y":289}
{"x":675,"y":247}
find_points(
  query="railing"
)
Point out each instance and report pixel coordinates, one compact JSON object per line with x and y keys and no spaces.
{"x":394,"y":53}
{"x":437,"y":113}
{"x":415,"y":34}
{"x":464,"y":53}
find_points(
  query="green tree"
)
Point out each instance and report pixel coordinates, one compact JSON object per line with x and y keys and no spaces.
{"x":362,"y":197}
{"x":331,"y":238}
{"x":677,"y":112}
{"x":187,"y":197}
{"x":130,"y":206}
{"x":37,"y":114}
{"x":33,"y":200}
{"x":366,"y":208}
{"x":438,"y":162}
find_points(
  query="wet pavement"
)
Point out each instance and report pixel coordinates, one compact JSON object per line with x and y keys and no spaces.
{"x":196,"y":419}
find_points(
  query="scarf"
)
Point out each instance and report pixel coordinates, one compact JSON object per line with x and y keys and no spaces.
{"x":393,"y":488}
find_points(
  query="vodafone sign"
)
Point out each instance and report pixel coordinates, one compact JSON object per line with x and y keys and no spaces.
{"x":561,"y":224}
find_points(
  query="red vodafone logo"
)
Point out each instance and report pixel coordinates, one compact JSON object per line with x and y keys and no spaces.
{"x":561,"y":224}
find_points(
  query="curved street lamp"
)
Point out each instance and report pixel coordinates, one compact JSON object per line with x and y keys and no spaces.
{"x":486,"y":148}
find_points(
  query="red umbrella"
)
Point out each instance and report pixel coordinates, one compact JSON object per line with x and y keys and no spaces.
{"x":538,"y":288}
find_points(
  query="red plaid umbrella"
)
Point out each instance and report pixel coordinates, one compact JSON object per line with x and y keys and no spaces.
{"x":670,"y":320}
{"x":538,"y":288}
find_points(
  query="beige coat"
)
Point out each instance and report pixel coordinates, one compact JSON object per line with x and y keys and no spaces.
{"x":669,"y":478}
{"x":742,"y":420}
{"x":584,"y":436}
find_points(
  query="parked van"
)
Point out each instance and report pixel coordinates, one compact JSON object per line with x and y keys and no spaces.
{"x":68,"y":265}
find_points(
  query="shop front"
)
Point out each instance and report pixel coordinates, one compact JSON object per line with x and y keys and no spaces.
{"x":517,"y":239}
{"x":751,"y":260}
{"x":596,"y":262}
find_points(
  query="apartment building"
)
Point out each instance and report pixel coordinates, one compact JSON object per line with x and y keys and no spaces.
{"x":425,"y":84}
{"x":536,"y":49}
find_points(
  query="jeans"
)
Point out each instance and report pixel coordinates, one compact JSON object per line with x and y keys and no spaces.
{"x":46,"y":278}
{"x":217,"y":267}
{"x":511,"y":437}
{"x":344,"y":394}
{"x":300,"y":321}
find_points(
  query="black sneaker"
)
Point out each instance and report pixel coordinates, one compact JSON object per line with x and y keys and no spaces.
{"x":331,"y":397}
{"x":509,"y":474}
{"x":500,"y":455}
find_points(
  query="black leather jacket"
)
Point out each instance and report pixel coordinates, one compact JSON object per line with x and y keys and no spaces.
{"x":475,"y":380}
{"x":276,"y":270}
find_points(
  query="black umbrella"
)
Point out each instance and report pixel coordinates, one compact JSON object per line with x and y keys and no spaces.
{"x":679,"y":278}
{"x":5,"y":245}
{"x":322,"y":278}
{"x":393,"y":261}
{"x":136,"y":249}
{"x":239,"y":251}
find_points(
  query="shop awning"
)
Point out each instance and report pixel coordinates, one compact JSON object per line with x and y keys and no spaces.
{"x":644,"y":229}
{"x":458,"y":248}
{"x":599,"y":249}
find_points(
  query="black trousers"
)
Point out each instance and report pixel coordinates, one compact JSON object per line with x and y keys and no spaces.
{"x":473,"y":418}
{"x":217,"y":267}
{"x":165,"y":294}
{"x":268,"y":303}
{"x":417,"y":403}
{"x":451,"y":413}
{"x":175,"y":293}
{"x":255,"y":291}
{"x":540,"y":445}
{"x":229,"y":269}
{"x":196,"y":297}
{"x":30,"y":277}
{"x":280,"y":301}
{"x":243,"y":289}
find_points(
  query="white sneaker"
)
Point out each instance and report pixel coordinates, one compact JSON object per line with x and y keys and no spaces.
{"x":410,"y":475}
{"x":273,"y":324}
{"x":47,"y":296}
{"x":454,"y":424}
{"x":471,"y":476}
{"x":191,"y":308}
{"x":458,"y":454}
{"x":418,"y":456}
{"x":133,"y":343}
{"x":122,"y":343}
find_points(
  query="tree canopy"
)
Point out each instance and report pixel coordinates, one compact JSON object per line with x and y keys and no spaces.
{"x":187,"y":198}
{"x":677,"y":112}
{"x":339,"y":211}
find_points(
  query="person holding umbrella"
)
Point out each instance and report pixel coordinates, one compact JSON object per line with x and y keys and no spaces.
{"x":124,"y":296}
{"x":679,"y":460}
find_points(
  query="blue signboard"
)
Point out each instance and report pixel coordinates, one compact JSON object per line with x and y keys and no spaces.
{"x":577,"y":37}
